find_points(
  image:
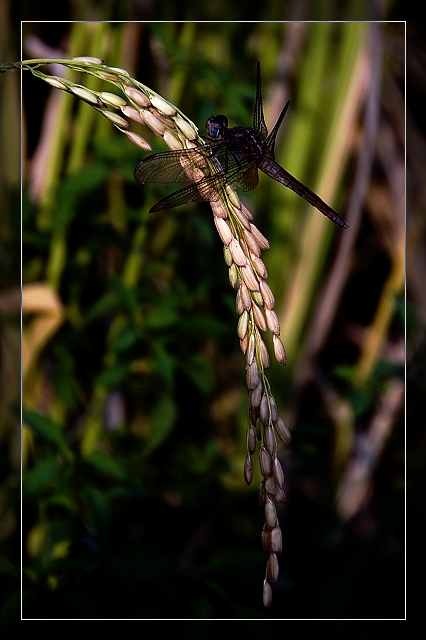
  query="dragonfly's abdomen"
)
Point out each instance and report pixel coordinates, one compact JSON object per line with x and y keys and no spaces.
{"x":275,"y":171}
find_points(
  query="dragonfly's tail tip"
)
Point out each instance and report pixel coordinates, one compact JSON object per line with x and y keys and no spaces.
{"x":342,"y":223}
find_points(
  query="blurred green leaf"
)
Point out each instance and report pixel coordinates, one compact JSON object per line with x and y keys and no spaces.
{"x":106,"y":464}
{"x":100,"y":509}
{"x":45,"y":473}
{"x":112,"y":376}
{"x":162,"y":421}
{"x":47,"y":430}
{"x":106,"y":303}
{"x":345,"y":372}
{"x":386,"y":369}
{"x":166,"y":363}
{"x":125,"y":295}
{"x":125,"y":338}
{"x":63,"y":498}
{"x":73,"y":187}
{"x":161,"y":317}
{"x":361,"y":401}
{"x":208,"y":326}
{"x":200,"y":370}
{"x":117,"y":150}
{"x":64,"y":380}
{"x":92,"y":175}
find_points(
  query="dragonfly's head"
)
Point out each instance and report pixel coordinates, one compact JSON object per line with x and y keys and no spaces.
{"x":216,"y":125}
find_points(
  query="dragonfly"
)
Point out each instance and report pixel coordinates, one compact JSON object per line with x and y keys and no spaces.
{"x":230,"y":155}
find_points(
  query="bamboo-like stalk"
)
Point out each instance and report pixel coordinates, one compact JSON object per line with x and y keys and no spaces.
{"x":314,"y":235}
{"x":378,"y":329}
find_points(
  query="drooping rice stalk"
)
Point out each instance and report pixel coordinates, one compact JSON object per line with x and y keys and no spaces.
{"x":243,"y":244}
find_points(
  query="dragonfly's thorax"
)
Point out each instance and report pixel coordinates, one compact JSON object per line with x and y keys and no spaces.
{"x":246,"y":140}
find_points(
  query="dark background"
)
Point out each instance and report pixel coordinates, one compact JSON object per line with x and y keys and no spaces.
{"x":168,"y":531}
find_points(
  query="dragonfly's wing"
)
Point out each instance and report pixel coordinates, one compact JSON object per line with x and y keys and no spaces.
{"x":269,"y":143}
{"x":238,"y":163}
{"x":209,"y":168}
{"x":275,"y":171}
{"x":248,"y":180}
{"x":258,"y":119}
{"x":177,"y":166}
{"x":210,"y":187}
{"x":207,"y":189}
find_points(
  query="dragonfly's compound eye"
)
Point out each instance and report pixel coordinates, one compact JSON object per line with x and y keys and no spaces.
{"x":215,"y":126}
